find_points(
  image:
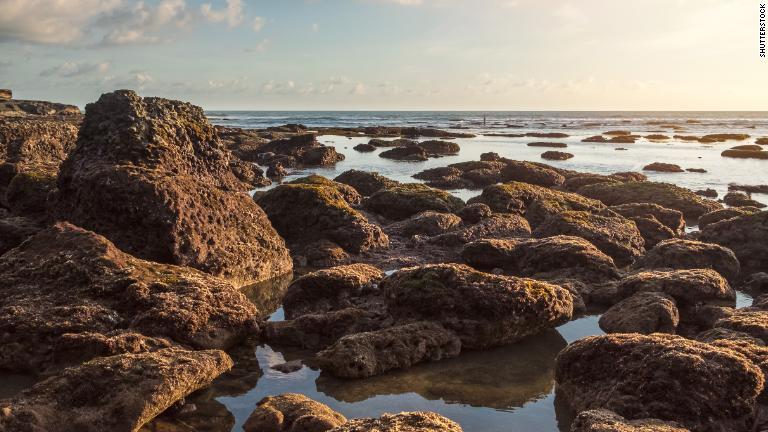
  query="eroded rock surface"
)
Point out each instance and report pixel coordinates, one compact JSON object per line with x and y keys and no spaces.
{"x":292,"y":412}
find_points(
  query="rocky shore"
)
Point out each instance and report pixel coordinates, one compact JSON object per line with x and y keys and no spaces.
{"x":137,"y":267}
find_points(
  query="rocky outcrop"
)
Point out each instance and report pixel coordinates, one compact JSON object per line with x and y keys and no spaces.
{"x":741,"y":199}
{"x":438,"y":147}
{"x":745,"y":154}
{"x":5,"y":95}
{"x":471,"y":175}
{"x":350,"y":194}
{"x":746,"y":236}
{"x":690,"y":254}
{"x":562,"y":255}
{"x":602,"y":420}
{"x":644,"y":312}
{"x":405,"y":200}
{"x":150,"y":175}
{"x":752,"y":321}
{"x":687,"y":287}
{"x":70,"y":295}
{"x":702,"y":387}
{"x":365,"y":183}
{"x":556,"y":155}
{"x":499,"y":225}
{"x":325,"y":214}
{"x":403,"y":422}
{"x":663,"y":167}
{"x":367,"y":354}
{"x":672,"y":219}
{"x":663,"y":194}
{"x":364,"y":148}
{"x":724,"y":214}
{"x":118,"y":393}
{"x":14,"y":230}
{"x":484,"y":310}
{"x":408,"y":153}
{"x":617,"y":237}
{"x":18,"y":108}
{"x":317,"y":331}
{"x":526,"y":172}
{"x":429,"y":223}
{"x":305,"y":149}
{"x":292,"y":412}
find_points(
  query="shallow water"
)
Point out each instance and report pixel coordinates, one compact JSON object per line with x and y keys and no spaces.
{"x":505,"y":389}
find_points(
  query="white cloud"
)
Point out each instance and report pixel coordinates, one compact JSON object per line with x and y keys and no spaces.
{"x":50,"y":22}
{"x":258,"y":23}
{"x":359,"y":89}
{"x":260,"y":47}
{"x":232,"y":13}
{"x":75,"y":69}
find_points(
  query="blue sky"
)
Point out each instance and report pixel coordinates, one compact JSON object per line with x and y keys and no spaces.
{"x":390,"y":54}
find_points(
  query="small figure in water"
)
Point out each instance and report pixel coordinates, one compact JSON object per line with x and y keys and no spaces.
{"x":483,"y":121}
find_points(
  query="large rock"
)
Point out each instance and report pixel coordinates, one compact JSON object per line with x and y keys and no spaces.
{"x":366,"y":183}
{"x":409,"y":153}
{"x":350,"y":194}
{"x":644,"y":312}
{"x":687,"y":287}
{"x":429,"y":223}
{"x":499,"y":225}
{"x":118,"y":393}
{"x":526,"y":172}
{"x":316,"y":331}
{"x":483,"y":309}
{"x":403,"y":201}
{"x":663,"y":194}
{"x":725,"y":214}
{"x":572,"y":256}
{"x":439,"y":147}
{"x":672,"y":219}
{"x":34,"y":142}
{"x":367,"y":354}
{"x":519,"y":197}
{"x":667,"y":377}
{"x":303,"y":213}
{"x":303,"y":148}
{"x":618,"y":237}
{"x":690,"y":254}
{"x":292,"y":412}
{"x":14,"y":230}
{"x":330,"y":289}
{"x":746,"y":236}
{"x":66,"y":281}
{"x":752,"y":321}
{"x":403,"y":422}
{"x":151,"y":175}
{"x":601,"y":420}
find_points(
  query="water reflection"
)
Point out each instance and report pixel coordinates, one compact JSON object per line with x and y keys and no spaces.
{"x":268,"y":295}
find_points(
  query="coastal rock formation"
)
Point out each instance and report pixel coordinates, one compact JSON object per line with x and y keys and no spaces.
{"x":687,"y":287}
{"x":602,"y":420}
{"x":365,"y":183}
{"x":150,"y":175}
{"x":671,"y":219}
{"x":305,"y":149}
{"x":617,"y":237}
{"x":405,"y":200}
{"x":14,"y":230}
{"x":752,"y":321}
{"x":725,"y":214}
{"x":403,"y":422}
{"x":367,"y":354}
{"x":429,"y":223}
{"x":690,"y":254}
{"x":30,"y":192}
{"x":526,"y":172}
{"x":556,"y":155}
{"x":663,"y":167}
{"x":663,"y":194}
{"x":118,"y":393}
{"x":5,"y":95}
{"x":702,"y":387}
{"x":317,"y":331}
{"x":483,"y":309}
{"x":66,"y":288}
{"x":325,"y":214}
{"x":746,"y":236}
{"x":499,"y":225}
{"x":17,"y":108}
{"x":741,"y":199}
{"x":438,"y":147}
{"x":292,"y":412}
{"x":474,"y":213}
{"x":330,"y":289}
{"x":364,"y":148}
{"x":562,"y":255}
{"x":548,"y":144}
{"x":644,"y":312}
{"x":408,"y":153}
{"x":350,"y":194}
{"x":745,"y":154}
{"x":471,"y":174}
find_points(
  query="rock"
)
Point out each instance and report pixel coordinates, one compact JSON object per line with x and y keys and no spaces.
{"x":249,"y":173}
{"x":687,"y":287}
{"x":745,"y":154}
{"x":14,"y":230}
{"x":725,"y":137}
{"x":696,"y":170}
{"x":702,"y":387}
{"x":276,"y":171}
{"x":474,"y":213}
{"x":548,"y":144}
{"x":483,"y":309}
{"x":749,"y":188}
{"x":363,"y":355}
{"x":150,"y":175}
{"x":601,"y":420}
{"x":657,"y":137}
{"x":683,"y":254}
{"x":5,"y":95}
{"x":68,"y":281}
{"x":746,"y":236}
{"x":623,"y":139}
{"x":429,"y":223}
{"x":330,"y":289}
{"x":724,"y":334}
{"x":526,"y":172}
{"x":663,"y":194}
{"x":325,"y":215}
{"x":324,"y":254}
{"x":410,"y":153}
{"x":596,"y":138}
{"x":652,"y":230}
{"x":364,"y":148}
{"x":707,"y":193}
{"x":572,"y":184}
{"x":405,"y":200}
{"x":305,"y":149}
{"x":740,"y":199}
{"x":617,"y":237}
{"x":403,"y":422}
{"x":672,"y":219}
{"x":440,"y":147}
{"x":366,"y":183}
{"x":321,"y":156}
{"x":556,"y":155}
{"x":288,"y":128}
{"x":16,"y":108}
{"x":350,"y":194}
{"x":30,"y":192}
{"x":317,"y":331}
{"x":36,"y":142}
{"x":762,"y":141}
{"x":292,"y":412}
{"x":118,"y":393}
{"x":499,"y":225}
{"x":470,"y":175}
{"x":751,"y":321}
{"x":547,"y":135}
{"x":663,"y":167}
{"x":724,"y":214}
{"x":528,"y":257}
{"x":518,"y":197}
{"x":644,"y":312}
{"x":758,"y":282}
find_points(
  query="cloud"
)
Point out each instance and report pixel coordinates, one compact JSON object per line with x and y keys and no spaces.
{"x":232,"y":13}
{"x":315,"y":27}
{"x":75,"y":69}
{"x":261,"y":47}
{"x":50,"y":22}
{"x":359,"y":89}
{"x":138,"y":24}
{"x":258,"y":23}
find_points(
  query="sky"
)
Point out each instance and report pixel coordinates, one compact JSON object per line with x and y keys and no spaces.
{"x":390,"y":54}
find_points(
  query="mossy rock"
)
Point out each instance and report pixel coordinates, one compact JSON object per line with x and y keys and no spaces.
{"x":348,"y":192}
{"x":403,"y":201}
{"x":29,"y":191}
